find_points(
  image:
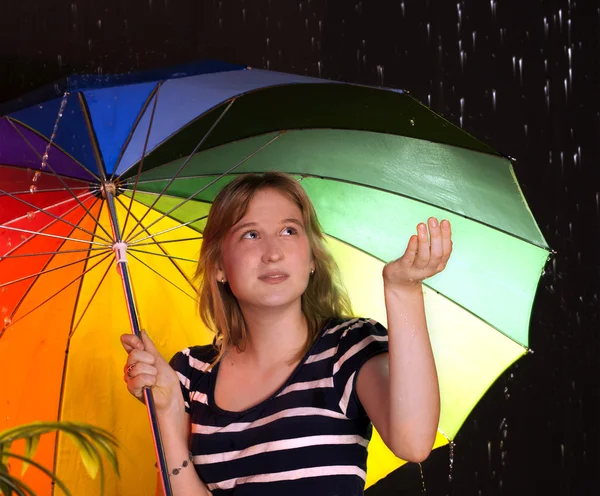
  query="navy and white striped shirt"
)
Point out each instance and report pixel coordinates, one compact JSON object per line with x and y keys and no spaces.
{"x":309,"y":438}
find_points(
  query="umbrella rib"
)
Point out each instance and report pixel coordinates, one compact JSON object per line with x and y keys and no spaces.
{"x":54,"y":236}
{"x":74,"y":328}
{"x":18,"y":305}
{"x":174,"y":228}
{"x":25,"y":241}
{"x":199,"y":238}
{"x":134,"y":128}
{"x":171,"y":257}
{"x":220,"y":176}
{"x":10,"y":120}
{"x":160,"y":247}
{"x":162,"y":276}
{"x":59,"y":177}
{"x":3,"y":285}
{"x":57,"y":204}
{"x":51,"y":190}
{"x":37,"y":254}
{"x":50,"y":214}
{"x":186,"y":161}
{"x":433,"y":289}
{"x":62,"y":289}
{"x":165,"y":195}
{"x":141,"y":164}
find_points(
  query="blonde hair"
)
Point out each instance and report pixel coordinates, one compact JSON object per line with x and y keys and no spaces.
{"x":324,"y":297}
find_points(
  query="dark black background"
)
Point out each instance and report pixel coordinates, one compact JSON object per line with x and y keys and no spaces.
{"x":536,"y":431}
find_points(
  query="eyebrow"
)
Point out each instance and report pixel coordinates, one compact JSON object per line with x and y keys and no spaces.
{"x":290,"y":220}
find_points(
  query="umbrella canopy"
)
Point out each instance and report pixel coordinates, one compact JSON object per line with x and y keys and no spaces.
{"x":374,"y":161}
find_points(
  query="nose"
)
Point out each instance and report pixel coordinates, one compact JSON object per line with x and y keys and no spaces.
{"x":273,"y":251}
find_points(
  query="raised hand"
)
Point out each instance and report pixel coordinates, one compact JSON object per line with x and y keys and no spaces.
{"x":146,"y":368}
{"x":426,"y":255}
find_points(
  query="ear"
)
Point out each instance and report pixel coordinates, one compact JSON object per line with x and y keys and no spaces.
{"x":220,"y":273}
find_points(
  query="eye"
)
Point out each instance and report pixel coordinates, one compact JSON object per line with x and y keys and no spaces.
{"x":290,"y":231}
{"x":250,"y":235}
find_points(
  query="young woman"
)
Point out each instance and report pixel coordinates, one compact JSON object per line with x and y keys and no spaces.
{"x":282,"y":401}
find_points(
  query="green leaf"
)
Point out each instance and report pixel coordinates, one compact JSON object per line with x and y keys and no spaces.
{"x":8,"y":483}
{"x":89,"y":456}
{"x":4,"y":448}
{"x":55,"y":479}
{"x":31,"y":444}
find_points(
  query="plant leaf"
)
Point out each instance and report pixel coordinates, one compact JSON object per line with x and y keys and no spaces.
{"x":31,"y":444}
{"x":8,"y":484}
{"x":89,"y":456}
{"x":4,"y":449}
{"x":55,"y":479}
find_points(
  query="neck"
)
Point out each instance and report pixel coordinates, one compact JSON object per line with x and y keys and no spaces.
{"x":274,"y":335}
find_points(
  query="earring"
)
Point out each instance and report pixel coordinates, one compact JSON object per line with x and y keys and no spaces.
{"x":222,"y":280}
{"x":312,"y":271}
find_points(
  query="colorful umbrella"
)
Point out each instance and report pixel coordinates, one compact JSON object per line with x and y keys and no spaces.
{"x":125,"y":168}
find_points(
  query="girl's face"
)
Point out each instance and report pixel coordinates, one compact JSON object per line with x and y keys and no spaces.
{"x":266,"y":256}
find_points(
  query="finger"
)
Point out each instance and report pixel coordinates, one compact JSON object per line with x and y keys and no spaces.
{"x":446,"y":229}
{"x":435,"y":242}
{"x":149,"y":345}
{"x":136,"y":384}
{"x":137,"y":368}
{"x":411,"y":251}
{"x":423,"y":253}
{"x":131,"y":342}
{"x":139,"y":356}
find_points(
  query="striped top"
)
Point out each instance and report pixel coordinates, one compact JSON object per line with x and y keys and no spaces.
{"x":309,"y":438}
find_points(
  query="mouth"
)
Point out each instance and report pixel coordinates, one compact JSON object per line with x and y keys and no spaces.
{"x":274,"y":277}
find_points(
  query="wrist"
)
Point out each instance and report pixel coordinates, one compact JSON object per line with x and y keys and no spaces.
{"x":403,"y":291}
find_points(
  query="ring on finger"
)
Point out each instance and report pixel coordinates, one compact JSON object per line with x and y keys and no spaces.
{"x":130,"y":368}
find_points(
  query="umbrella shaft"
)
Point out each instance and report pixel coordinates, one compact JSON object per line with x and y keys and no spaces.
{"x":134,"y":321}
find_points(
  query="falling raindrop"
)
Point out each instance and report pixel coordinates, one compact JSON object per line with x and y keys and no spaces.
{"x":422,"y":478}
{"x":412,"y":122}
{"x":451,"y":465}
{"x":380,"y":74}
{"x":99,"y":23}
{"x":521,"y":71}
{"x":494,"y":99}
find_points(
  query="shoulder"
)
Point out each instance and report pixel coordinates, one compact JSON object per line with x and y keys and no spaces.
{"x":355,"y":329}
{"x":193,"y":359}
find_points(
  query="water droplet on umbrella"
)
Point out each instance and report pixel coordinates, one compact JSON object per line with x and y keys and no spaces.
{"x":31,"y":215}
{"x":32,"y":188}
{"x":4,"y":310}
{"x":36,"y":176}
{"x":7,"y":321}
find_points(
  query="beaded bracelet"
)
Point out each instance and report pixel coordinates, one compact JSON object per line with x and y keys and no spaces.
{"x":184,"y":464}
